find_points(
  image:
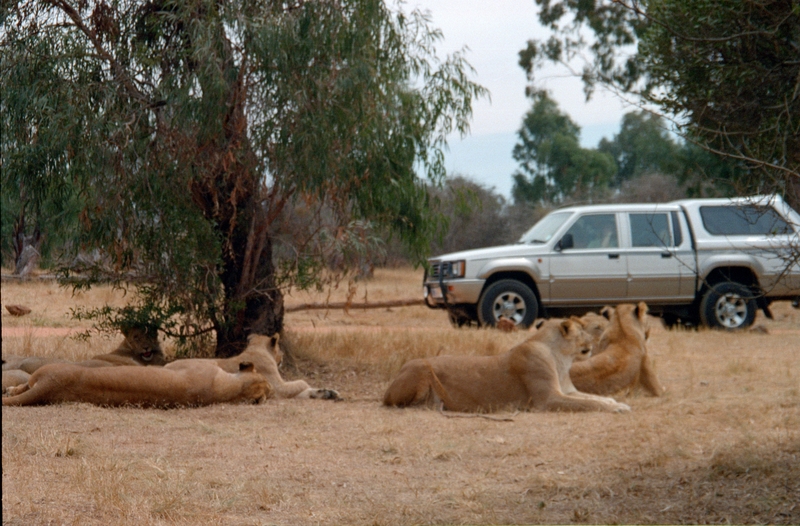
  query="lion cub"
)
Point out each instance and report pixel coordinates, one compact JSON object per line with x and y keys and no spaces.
{"x":622,"y":361}
{"x":177,"y":384}
{"x":532,"y":375}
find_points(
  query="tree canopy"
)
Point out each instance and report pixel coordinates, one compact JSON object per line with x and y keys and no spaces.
{"x":726,"y":72}
{"x":185,"y":128}
{"x":642,"y":146}
{"x":553,"y":165}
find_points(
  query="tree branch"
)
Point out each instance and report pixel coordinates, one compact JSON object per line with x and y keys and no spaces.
{"x":348,"y":305}
{"x":120,"y":74}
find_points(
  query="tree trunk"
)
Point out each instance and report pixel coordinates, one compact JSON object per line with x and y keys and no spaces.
{"x":253,"y":304}
{"x":26,"y":247}
{"x":28,"y":260}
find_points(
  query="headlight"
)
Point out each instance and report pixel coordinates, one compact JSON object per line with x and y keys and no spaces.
{"x":454,"y":269}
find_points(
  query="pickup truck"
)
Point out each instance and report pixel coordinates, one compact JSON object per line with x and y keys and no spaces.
{"x":695,"y":261}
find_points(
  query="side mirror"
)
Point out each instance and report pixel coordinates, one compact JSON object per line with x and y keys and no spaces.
{"x":565,"y":243}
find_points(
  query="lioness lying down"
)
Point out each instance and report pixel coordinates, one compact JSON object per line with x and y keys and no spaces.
{"x":181,"y":383}
{"x":532,"y":375}
{"x":622,"y":362}
{"x":140,"y":347}
{"x":265,"y":354}
{"x":13,"y":378}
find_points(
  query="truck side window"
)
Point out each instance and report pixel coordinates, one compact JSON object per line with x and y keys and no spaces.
{"x":749,"y":220}
{"x":595,"y":231}
{"x":650,"y":230}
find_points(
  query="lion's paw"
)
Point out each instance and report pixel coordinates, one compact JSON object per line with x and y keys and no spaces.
{"x":622,"y":408}
{"x":325,"y":394}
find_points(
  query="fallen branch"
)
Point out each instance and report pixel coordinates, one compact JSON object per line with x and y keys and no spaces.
{"x":450,"y":414}
{"x":346,"y":305}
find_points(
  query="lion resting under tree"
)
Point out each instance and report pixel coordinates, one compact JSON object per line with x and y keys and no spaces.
{"x":140,"y":347}
{"x":621,"y":360}
{"x":532,"y":375}
{"x":266,"y":355}
{"x":181,"y":383}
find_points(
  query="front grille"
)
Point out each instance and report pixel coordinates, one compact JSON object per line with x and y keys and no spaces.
{"x":443,"y":268}
{"x":435,"y":270}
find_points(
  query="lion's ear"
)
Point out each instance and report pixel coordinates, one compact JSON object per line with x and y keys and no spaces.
{"x":606,"y":312}
{"x":246,"y":367}
{"x":539,"y":323}
{"x":641,"y":310}
{"x":565,"y":326}
{"x":274,"y":340}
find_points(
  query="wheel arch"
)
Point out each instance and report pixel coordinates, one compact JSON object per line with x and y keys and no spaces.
{"x":738,"y":274}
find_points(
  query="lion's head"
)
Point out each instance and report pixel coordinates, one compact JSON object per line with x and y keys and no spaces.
{"x":630,"y":320}
{"x":267,"y":343}
{"x":595,"y":324}
{"x":141,"y":344}
{"x":566,"y":337}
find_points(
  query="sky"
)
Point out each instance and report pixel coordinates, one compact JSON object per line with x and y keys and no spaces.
{"x":494,"y":31}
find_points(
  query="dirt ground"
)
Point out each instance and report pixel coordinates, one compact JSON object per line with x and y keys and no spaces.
{"x":722,"y":445}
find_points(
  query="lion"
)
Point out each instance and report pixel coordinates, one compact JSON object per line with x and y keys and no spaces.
{"x":532,"y":375}
{"x":622,"y":362}
{"x":596,"y":324}
{"x":28,"y":364}
{"x":13,"y":378}
{"x":140,"y":347}
{"x":181,"y":383}
{"x":266,"y":355}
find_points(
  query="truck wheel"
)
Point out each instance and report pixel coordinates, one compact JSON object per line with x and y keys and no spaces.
{"x":510,"y":299}
{"x":728,"y":305}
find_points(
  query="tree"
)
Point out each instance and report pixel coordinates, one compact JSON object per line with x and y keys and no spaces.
{"x":726,"y":72}
{"x":553,"y":165}
{"x":642,"y":146}
{"x":476,"y":216}
{"x":186,"y":127}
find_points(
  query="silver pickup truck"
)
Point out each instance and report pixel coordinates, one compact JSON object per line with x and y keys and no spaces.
{"x":709,"y":261}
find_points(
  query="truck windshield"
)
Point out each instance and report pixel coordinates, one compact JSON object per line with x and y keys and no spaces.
{"x":543,"y":231}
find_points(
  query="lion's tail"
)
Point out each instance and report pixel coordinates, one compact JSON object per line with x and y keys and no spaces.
{"x":438,"y":388}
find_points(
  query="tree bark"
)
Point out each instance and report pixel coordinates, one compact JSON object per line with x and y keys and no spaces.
{"x":254,"y":305}
{"x":26,"y":247}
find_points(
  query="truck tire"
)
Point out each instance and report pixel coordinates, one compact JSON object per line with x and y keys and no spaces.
{"x":728,"y":305}
{"x":508,"y":298}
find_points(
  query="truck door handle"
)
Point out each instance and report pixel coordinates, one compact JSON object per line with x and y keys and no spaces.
{"x":613,"y":256}
{"x":666,"y":255}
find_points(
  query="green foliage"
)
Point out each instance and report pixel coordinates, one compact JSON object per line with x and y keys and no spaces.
{"x":553,"y":165}
{"x":186,"y":128}
{"x":477,"y":217}
{"x":642,"y":146}
{"x":731,"y":70}
{"x":726,"y":72}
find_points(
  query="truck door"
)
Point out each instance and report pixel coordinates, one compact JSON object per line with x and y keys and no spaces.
{"x":655,"y":264}
{"x":588,"y":268}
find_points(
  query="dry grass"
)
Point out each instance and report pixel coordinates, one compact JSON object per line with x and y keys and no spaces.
{"x":722,"y":445}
